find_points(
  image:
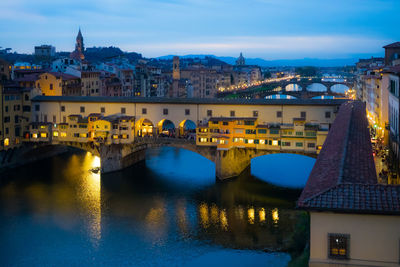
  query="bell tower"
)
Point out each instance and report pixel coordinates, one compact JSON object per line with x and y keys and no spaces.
{"x":176,"y":73}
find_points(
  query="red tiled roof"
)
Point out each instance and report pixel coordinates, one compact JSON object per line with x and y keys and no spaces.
{"x":64,"y":76}
{"x":393,"y":45}
{"x":344,"y":176}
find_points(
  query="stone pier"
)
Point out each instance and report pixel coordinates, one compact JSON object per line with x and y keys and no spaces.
{"x":231,"y":163}
{"x":118,"y":157}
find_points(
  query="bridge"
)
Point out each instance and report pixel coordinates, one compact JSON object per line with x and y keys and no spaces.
{"x":280,"y":87}
{"x":228,"y":132}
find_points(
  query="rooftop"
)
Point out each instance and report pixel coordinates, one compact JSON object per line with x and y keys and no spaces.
{"x":393,"y":45}
{"x":211,"y":101}
{"x":343,"y":178}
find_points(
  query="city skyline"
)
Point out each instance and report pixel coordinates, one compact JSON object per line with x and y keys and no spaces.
{"x":156,"y":28}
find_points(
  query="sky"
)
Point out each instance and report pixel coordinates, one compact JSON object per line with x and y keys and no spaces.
{"x":268,"y":29}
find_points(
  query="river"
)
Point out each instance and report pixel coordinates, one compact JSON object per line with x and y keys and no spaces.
{"x":168,"y":211}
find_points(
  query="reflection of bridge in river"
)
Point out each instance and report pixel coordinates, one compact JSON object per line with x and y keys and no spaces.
{"x":280,"y":87}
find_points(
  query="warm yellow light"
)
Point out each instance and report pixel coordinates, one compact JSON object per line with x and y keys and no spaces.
{"x":34,"y":135}
{"x":63,"y":134}
{"x":43,"y":135}
{"x":214,"y":213}
{"x":262,"y":142}
{"x":275,"y":215}
{"x":224,"y":220}
{"x":274,"y":142}
{"x":55,"y":134}
{"x":6,"y":142}
{"x":261,"y":214}
{"x":203,"y":211}
{"x":250,"y":214}
{"x":115,"y":136}
{"x":251,"y":141}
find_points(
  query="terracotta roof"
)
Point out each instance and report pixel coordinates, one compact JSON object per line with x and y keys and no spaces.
{"x":393,"y":45}
{"x":344,"y":178}
{"x":64,"y":76}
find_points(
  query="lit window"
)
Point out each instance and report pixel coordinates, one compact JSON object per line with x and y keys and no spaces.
{"x":214,"y":140}
{"x":338,"y":246}
{"x":34,"y":135}
{"x":115,"y":136}
{"x":43,"y":135}
{"x":63,"y":134}
{"x":262,"y":142}
{"x":274,"y":142}
{"x":83,"y":135}
{"x":6,"y":142}
{"x":251,"y":141}
{"x":55,"y":134}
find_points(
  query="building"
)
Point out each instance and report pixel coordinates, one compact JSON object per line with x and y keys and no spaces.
{"x":391,"y":76}
{"x":91,"y":83}
{"x":354,"y":221}
{"x":229,"y":132}
{"x":58,"y":83}
{"x":79,"y":48}
{"x":45,"y":52}
{"x":4,"y":70}
{"x":15,"y":114}
{"x":240,"y":61}
{"x":392,"y":53}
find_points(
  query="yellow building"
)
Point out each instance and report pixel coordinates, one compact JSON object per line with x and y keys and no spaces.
{"x":15,"y":114}
{"x":229,"y":132}
{"x":57,"y":84}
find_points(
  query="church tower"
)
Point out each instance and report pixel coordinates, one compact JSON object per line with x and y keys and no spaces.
{"x":79,"y":48}
{"x":240,"y":61}
{"x":176,"y":73}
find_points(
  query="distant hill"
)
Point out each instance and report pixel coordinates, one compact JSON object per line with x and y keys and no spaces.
{"x":103,"y":53}
{"x":280,"y":62}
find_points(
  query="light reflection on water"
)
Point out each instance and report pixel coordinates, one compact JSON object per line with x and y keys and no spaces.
{"x":140,"y":216}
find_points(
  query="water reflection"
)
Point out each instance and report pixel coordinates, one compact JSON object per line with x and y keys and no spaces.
{"x":141,"y":210}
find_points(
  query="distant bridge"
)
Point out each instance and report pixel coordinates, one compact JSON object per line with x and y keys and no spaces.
{"x":279,"y":87}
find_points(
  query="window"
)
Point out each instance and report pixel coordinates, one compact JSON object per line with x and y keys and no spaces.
{"x":224,"y":123}
{"x":274,"y":131}
{"x":303,"y":114}
{"x":51,"y":86}
{"x":26,"y":97}
{"x":262,"y":131}
{"x":7,"y":119}
{"x":54,"y":119}
{"x":45,"y":118}
{"x":123,"y":110}
{"x":165,"y":111}
{"x":16,"y":119}
{"x":26,"y":108}
{"x":37,"y":118}
{"x":209,"y":113}
{"x":327,"y":114}
{"x":187,"y":111}
{"x":37,"y":107}
{"x":299,"y":144}
{"x":311,"y":145}
{"x":82,"y":109}
{"x":6,"y":108}
{"x":285,"y":143}
{"x":102,"y":110}
{"x":311,"y":134}
{"x":144,"y":110}
{"x":248,"y":122}
{"x":255,"y":113}
{"x":248,"y":131}
{"x":232,"y":113}
{"x":62,"y":108}
{"x":299,"y":133}
{"x":279,"y":114}
{"x":338,"y":246}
